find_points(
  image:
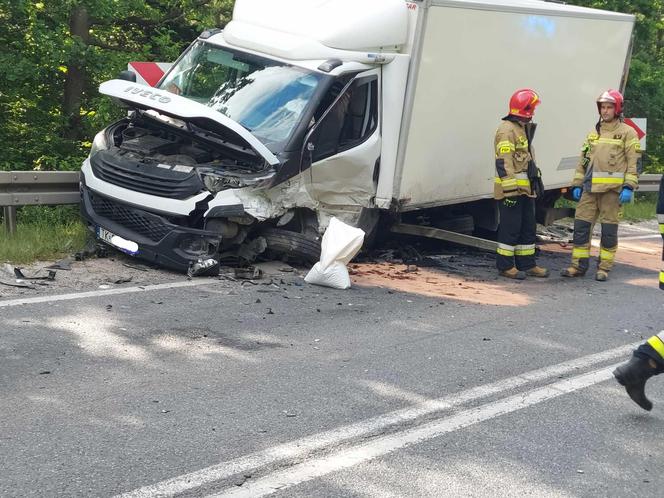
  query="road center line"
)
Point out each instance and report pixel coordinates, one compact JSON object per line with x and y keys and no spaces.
{"x":350,"y":457}
{"x":328,"y":439}
{"x":107,"y":292}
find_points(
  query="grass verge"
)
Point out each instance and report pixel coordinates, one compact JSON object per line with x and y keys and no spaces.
{"x":42,"y":234}
{"x":643,"y":207}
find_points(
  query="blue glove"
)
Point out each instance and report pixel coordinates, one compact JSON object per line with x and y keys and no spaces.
{"x":576,"y":193}
{"x":626,"y":195}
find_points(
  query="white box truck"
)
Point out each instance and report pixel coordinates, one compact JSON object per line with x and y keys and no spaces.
{"x":301,"y":110}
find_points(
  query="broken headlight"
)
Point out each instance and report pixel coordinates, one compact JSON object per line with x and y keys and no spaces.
{"x":216,"y":181}
{"x":100,"y":142}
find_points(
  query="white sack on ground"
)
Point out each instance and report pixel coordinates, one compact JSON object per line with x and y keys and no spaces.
{"x":340,"y":244}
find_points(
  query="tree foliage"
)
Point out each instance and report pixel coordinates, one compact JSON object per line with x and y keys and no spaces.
{"x":54,"y":55}
{"x":644,"y":96}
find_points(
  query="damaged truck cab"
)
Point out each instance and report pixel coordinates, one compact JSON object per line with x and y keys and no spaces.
{"x":240,"y":149}
{"x":300,"y":111}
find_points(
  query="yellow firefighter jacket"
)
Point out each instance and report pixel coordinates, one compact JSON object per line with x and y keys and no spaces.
{"x":512,"y":158}
{"x":608,"y":159}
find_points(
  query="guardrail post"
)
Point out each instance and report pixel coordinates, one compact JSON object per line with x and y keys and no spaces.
{"x":10,"y":219}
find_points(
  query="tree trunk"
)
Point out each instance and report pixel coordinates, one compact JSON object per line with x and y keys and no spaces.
{"x":79,"y":26}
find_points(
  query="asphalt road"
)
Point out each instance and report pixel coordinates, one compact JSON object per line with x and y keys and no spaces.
{"x":401,"y":386}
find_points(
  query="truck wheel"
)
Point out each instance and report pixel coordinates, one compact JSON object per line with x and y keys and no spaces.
{"x":293,"y":245}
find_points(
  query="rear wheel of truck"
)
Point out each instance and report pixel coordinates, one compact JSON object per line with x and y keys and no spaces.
{"x":294,"y":246}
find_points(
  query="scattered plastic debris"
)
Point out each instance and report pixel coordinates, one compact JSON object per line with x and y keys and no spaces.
{"x":248,"y":273}
{"x":204,"y":267}
{"x":136,"y":267}
{"x":62,"y":264}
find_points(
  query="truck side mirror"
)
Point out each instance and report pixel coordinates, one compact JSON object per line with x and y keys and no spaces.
{"x":127,"y":76}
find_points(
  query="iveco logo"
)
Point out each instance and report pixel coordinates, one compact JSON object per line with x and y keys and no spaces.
{"x":141,"y":92}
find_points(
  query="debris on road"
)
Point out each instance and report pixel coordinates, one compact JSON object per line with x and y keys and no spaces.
{"x":62,"y":264}
{"x":478,"y":287}
{"x":204,"y":267}
{"x":17,"y":283}
{"x":248,"y":273}
{"x":13,"y":277}
{"x":122,"y":280}
{"x":242,"y":479}
{"x":137,"y":267}
{"x":556,"y":233}
{"x":91,"y":249}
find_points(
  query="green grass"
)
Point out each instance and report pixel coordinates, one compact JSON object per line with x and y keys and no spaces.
{"x":642,"y":208}
{"x":42,"y":234}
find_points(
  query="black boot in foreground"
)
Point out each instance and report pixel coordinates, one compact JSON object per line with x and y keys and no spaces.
{"x":633,"y":375}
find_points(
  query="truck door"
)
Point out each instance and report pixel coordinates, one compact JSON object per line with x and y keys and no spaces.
{"x":345,"y":144}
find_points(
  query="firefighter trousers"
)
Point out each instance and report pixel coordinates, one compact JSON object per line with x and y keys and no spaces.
{"x":605,"y":208}
{"x":516,"y":233}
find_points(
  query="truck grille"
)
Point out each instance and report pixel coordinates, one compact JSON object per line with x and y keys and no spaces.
{"x":146,"y":224}
{"x":145,"y":178}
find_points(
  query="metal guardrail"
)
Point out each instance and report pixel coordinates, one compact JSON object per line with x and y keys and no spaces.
{"x":29,"y":188}
{"x":649,"y":182}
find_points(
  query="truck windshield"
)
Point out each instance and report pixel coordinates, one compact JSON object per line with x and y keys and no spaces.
{"x":266,"y":97}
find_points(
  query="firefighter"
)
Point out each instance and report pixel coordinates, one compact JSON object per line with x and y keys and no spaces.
{"x":604,"y":180}
{"x":516,"y":186}
{"x":648,"y":359}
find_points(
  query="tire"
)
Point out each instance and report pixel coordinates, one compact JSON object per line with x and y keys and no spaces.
{"x":292,"y":245}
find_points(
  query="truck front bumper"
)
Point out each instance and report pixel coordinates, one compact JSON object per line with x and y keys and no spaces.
{"x":159,"y":240}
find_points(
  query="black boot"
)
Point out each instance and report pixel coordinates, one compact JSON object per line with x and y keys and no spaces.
{"x":633,"y":375}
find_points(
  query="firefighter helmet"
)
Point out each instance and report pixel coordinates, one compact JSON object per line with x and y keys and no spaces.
{"x":612,"y":97}
{"x":523,"y":103}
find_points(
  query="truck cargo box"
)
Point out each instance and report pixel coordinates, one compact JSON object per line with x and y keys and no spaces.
{"x":468,"y":58}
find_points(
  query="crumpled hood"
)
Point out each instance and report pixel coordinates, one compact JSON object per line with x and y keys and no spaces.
{"x":146,"y":97}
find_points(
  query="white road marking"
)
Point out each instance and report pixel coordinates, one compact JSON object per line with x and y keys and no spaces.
{"x":109,"y":292}
{"x":350,"y":457}
{"x":302,"y":447}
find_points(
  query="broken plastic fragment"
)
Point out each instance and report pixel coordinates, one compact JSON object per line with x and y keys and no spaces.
{"x":203,"y":267}
{"x":62,"y":264}
{"x":249,"y":273}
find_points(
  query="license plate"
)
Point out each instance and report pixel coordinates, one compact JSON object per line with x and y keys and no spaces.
{"x":126,"y":246}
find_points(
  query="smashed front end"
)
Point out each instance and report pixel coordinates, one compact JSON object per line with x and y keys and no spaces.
{"x":147,"y":194}
{"x":174,"y":182}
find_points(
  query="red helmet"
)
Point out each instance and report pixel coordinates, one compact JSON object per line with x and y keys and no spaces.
{"x":523,"y":103}
{"x":612,"y":97}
